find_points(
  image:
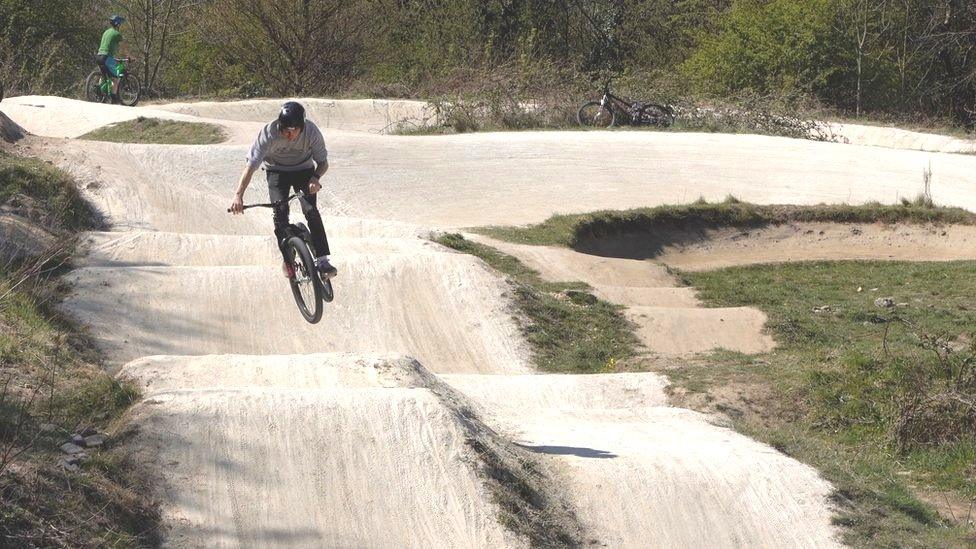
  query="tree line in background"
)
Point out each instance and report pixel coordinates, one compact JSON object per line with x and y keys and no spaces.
{"x":907,"y":58}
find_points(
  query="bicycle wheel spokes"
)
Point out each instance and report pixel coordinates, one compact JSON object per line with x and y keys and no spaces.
{"x":595,"y":115}
{"x":305,"y":286}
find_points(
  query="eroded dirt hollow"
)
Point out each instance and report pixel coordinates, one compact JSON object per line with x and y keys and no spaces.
{"x":266,"y":431}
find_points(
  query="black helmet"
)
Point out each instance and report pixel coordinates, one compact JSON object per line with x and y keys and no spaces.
{"x":292,"y":115}
{"x":116,"y":20}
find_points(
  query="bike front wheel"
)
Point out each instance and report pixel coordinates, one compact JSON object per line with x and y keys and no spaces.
{"x":129,"y":90}
{"x":595,"y":115}
{"x":306,"y":285}
{"x":93,"y":87}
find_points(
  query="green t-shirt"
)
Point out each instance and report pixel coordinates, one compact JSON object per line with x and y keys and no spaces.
{"x":110,"y":42}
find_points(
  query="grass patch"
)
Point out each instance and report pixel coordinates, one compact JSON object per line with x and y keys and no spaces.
{"x":569,"y":329}
{"x":41,"y":193}
{"x":51,"y":385}
{"x":159,"y":132}
{"x":881,"y":400}
{"x":574,"y":229}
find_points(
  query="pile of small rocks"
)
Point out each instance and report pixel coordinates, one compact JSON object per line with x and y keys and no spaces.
{"x":79,"y":445}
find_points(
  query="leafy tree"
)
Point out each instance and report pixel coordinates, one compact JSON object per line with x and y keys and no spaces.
{"x":780,"y":46}
{"x":292,"y":46}
{"x":45,"y":45}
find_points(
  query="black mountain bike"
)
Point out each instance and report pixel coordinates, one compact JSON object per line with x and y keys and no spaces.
{"x":308,"y":285}
{"x":612,"y":110}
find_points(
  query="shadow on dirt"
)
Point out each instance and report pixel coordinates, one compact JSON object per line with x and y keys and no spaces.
{"x":569,"y":451}
{"x":647,"y":244}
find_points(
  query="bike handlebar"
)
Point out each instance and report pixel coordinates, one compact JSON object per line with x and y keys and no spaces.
{"x":298,"y":195}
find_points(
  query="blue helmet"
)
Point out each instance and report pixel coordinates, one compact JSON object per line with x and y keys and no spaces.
{"x":116,"y":20}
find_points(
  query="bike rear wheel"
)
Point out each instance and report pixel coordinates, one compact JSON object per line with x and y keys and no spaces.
{"x":657,"y":115}
{"x":93,"y":87}
{"x":595,"y":115}
{"x":129,"y":90}
{"x":306,"y":285}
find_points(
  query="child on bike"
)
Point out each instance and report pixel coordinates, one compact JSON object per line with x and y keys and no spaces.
{"x":293,"y":152}
{"x":107,"y":51}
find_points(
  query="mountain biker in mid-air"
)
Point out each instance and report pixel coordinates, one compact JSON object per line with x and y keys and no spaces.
{"x":107,"y":51}
{"x":294,"y":155}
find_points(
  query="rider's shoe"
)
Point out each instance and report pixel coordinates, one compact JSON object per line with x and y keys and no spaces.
{"x":325,"y":267}
{"x":288,"y":269}
{"x":115,"y":99}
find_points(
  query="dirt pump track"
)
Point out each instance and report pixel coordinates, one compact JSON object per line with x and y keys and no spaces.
{"x":266,"y":431}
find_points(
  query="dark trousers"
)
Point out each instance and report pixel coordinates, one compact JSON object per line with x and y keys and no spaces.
{"x":280,"y":185}
{"x":100,"y":61}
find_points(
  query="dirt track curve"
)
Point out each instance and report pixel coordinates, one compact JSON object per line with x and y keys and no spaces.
{"x":266,"y":431}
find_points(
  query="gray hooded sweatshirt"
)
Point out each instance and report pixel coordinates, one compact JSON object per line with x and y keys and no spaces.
{"x":281,"y":155}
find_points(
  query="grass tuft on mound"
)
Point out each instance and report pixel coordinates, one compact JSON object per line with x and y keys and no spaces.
{"x":158,"y":132}
{"x":570,"y":330}
{"x":574,"y":229}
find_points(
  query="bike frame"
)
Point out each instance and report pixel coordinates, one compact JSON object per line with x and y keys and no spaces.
{"x":610,"y":100}
{"x":119,"y":73}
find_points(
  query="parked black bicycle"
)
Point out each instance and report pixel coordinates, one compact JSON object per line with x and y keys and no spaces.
{"x":308,"y":285}
{"x":612,"y":110}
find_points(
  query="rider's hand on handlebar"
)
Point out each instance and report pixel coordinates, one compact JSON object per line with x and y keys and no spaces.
{"x":314,"y":186}
{"x":237,"y":206}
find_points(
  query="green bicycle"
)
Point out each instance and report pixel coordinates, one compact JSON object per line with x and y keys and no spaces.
{"x":99,"y":89}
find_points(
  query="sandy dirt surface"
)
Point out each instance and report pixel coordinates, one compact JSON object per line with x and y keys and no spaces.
{"x":260,"y":439}
{"x":897,"y":138}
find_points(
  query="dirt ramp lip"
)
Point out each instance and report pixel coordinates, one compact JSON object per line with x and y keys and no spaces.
{"x":579,"y":393}
{"x":365,"y":115}
{"x":154,"y":248}
{"x":705,"y":248}
{"x":165,"y":373}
